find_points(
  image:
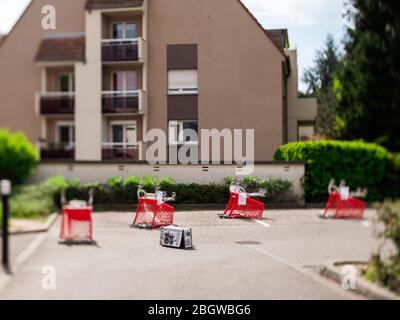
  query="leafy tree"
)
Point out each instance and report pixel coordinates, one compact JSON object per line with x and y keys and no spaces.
{"x":18,"y":157}
{"x":319,"y":79}
{"x":368,"y":83}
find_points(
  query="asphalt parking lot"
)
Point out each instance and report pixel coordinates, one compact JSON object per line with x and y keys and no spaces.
{"x":273,"y":258}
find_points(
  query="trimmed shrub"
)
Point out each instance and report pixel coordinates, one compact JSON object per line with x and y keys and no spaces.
{"x":124,"y":192}
{"x":18,"y":157}
{"x":149,"y":183}
{"x":360,"y":164}
{"x":228,"y":181}
{"x":277,"y":190}
{"x":251,"y":182}
{"x":166,"y":182}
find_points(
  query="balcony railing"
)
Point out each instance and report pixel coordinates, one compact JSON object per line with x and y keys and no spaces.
{"x":57,"y":102}
{"x":123,"y":50}
{"x":120,"y":152}
{"x":123,"y":101}
{"x":54,"y":151}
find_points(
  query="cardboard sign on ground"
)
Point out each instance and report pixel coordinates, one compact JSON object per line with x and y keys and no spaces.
{"x":176,"y":237}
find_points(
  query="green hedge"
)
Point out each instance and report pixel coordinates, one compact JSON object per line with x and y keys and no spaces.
{"x":124,"y":191}
{"x":18,"y":156}
{"x":360,"y":164}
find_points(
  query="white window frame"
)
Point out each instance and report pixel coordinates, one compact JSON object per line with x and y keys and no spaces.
{"x":124,"y":23}
{"x":124,"y":124}
{"x":124,"y":88}
{"x":183,"y":91}
{"x":71,"y":125}
{"x":177,"y":139}
{"x":70,"y":81}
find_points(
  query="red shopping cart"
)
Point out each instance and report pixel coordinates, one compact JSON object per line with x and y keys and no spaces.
{"x":153,"y":211}
{"x":241,"y":205}
{"x":343,"y":204}
{"x":76,"y":222}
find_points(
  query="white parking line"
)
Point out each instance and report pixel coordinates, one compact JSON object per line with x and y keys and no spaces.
{"x":312,"y":275}
{"x":262,"y":223}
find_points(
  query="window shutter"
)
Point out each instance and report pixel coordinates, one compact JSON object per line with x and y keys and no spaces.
{"x":183,"y":80}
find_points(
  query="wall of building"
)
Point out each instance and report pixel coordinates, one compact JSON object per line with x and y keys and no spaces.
{"x":240,"y":71}
{"x":239,"y":68}
{"x":89,"y":172}
{"x":299,"y":109}
{"x":19,"y":76}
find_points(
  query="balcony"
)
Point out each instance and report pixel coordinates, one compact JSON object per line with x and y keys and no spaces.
{"x":120,"y":152}
{"x":123,"y":50}
{"x":53,"y":151}
{"x":57,"y":103}
{"x":117,"y":102}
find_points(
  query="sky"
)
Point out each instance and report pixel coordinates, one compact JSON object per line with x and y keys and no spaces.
{"x":308,"y":21}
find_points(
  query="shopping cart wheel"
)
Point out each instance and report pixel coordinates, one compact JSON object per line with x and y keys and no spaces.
{"x":322,"y":216}
{"x":222,"y":215}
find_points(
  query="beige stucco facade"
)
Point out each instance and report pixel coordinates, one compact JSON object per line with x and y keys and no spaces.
{"x":241,"y":78}
{"x":300,"y":110}
{"x":20,"y":77}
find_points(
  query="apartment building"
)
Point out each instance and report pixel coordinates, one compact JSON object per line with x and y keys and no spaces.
{"x":112,"y":70}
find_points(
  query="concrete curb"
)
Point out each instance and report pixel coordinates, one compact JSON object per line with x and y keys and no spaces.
{"x":49,"y":223}
{"x":370,"y":290}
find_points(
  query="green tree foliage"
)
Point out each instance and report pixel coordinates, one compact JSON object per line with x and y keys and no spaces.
{"x":368,"y":86}
{"x":18,"y":156}
{"x":384,"y":268}
{"x":319,"y":79}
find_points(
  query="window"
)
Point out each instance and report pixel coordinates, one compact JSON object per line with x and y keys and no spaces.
{"x":182,"y":82}
{"x":65,"y":133}
{"x":123,"y":30}
{"x":123,"y":134}
{"x":66,"y":82}
{"x":123,"y":81}
{"x":182,"y":132}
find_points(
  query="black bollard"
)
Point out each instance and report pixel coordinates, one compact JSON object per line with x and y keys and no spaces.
{"x":5,"y":191}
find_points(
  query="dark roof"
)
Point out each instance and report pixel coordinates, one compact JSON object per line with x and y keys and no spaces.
{"x":107,"y":4}
{"x":279,"y":37}
{"x":62,"y":49}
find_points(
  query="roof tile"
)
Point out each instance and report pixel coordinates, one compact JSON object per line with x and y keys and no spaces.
{"x":61,"y":49}
{"x":107,"y":4}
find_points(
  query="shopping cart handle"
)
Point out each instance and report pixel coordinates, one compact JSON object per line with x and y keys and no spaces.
{"x":332,"y":187}
{"x":63,"y":199}
{"x":91,"y":197}
{"x":141,"y":193}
